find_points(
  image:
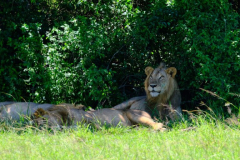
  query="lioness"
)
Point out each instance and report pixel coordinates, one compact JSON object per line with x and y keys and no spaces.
{"x":162,"y":93}
{"x":59,"y":115}
{"x":15,"y":110}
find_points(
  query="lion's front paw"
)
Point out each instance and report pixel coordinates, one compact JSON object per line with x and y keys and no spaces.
{"x":159,"y":126}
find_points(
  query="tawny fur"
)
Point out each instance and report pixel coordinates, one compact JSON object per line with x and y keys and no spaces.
{"x":65,"y":115}
{"x":15,"y":110}
{"x":167,"y":102}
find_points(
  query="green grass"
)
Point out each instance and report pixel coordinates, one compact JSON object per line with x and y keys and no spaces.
{"x":208,"y":141}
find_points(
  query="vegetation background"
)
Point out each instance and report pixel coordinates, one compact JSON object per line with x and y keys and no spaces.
{"x":94,"y":51}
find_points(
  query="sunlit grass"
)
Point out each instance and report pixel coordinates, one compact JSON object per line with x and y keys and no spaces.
{"x":208,"y":140}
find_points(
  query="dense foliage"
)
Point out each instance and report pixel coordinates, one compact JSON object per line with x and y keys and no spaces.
{"x":95,"y":52}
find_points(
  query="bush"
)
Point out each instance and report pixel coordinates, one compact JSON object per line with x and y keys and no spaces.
{"x":95,"y":52}
{"x":209,"y":40}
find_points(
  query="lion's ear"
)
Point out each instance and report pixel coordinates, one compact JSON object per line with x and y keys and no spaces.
{"x":172,"y":71}
{"x":148,"y":70}
{"x":39,"y":113}
{"x":80,"y":107}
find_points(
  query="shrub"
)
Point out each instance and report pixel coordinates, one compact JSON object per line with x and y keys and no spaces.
{"x":95,"y":52}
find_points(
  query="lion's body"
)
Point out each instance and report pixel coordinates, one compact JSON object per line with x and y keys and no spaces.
{"x":56,"y":116}
{"x":162,"y":93}
{"x":5,"y":103}
{"x":15,"y":110}
{"x":135,"y":103}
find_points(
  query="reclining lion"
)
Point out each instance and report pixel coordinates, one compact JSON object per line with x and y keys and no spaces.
{"x":162,"y":93}
{"x":15,"y":110}
{"x":59,"y":115}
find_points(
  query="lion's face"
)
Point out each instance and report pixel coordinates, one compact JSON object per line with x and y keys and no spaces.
{"x":43,"y":117}
{"x":158,"y":80}
{"x":48,"y":119}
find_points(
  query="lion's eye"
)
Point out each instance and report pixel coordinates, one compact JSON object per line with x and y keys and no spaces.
{"x":161,"y":77}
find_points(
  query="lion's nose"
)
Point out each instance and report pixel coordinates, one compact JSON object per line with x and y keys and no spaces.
{"x":153,"y":85}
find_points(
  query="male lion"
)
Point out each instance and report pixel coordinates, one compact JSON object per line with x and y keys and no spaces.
{"x":162,"y":93}
{"x":59,"y":115}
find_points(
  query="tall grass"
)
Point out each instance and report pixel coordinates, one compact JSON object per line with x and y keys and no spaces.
{"x":207,"y":140}
{"x":200,"y":135}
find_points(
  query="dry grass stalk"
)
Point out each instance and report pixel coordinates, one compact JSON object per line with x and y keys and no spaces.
{"x":213,"y":94}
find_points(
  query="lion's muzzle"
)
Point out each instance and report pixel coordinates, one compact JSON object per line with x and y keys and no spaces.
{"x":154,"y":90}
{"x":154,"y":93}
